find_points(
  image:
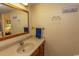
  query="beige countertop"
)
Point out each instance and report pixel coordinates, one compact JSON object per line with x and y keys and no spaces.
{"x":12,"y":49}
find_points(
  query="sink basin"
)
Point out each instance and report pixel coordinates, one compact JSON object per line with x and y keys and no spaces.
{"x":26,"y":48}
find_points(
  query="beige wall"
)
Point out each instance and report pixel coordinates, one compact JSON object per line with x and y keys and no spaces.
{"x":62,"y":36}
{"x":20,"y":22}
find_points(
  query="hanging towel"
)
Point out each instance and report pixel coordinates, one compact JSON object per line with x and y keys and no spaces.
{"x":38,"y":32}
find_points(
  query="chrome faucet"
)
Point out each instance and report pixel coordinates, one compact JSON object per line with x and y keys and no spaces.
{"x":21,"y":43}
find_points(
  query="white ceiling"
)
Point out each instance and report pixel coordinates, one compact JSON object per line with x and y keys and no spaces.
{"x":4,"y":9}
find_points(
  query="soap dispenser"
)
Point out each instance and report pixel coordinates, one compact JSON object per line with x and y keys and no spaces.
{"x":38,"y":33}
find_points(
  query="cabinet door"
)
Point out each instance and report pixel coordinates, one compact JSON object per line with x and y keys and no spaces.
{"x":41,"y":48}
{"x":36,"y":53}
{"x":39,"y":51}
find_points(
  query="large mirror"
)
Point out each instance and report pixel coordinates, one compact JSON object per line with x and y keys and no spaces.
{"x":13,"y":21}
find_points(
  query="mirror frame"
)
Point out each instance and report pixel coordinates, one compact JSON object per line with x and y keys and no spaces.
{"x":19,"y":34}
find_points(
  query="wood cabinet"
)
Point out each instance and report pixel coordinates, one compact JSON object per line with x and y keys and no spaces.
{"x":39,"y":51}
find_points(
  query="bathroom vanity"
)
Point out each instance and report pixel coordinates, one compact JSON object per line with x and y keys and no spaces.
{"x":39,"y":51}
{"x":32,"y":47}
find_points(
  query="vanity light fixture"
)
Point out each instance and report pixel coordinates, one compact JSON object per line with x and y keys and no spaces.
{"x":25,"y":4}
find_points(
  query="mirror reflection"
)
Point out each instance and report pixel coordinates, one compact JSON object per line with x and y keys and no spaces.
{"x":12,"y":21}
